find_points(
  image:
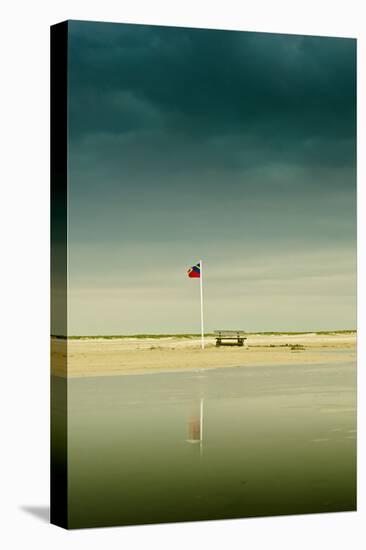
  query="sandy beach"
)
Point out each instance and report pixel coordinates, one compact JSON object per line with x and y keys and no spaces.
{"x":108,"y":357}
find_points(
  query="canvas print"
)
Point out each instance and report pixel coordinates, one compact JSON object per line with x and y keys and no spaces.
{"x":203,"y":234}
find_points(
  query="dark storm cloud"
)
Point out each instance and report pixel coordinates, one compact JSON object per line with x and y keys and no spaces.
{"x":252,"y":119}
{"x":206,"y":83}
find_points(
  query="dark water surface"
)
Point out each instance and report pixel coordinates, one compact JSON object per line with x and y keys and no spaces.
{"x":275,"y":440}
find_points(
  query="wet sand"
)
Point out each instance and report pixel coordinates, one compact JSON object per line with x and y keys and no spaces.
{"x":110,"y":357}
{"x":276,"y":440}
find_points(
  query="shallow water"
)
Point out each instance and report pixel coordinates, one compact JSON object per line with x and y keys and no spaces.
{"x":275,"y":440}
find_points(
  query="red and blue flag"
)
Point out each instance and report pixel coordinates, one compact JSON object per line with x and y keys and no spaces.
{"x":195,"y":271}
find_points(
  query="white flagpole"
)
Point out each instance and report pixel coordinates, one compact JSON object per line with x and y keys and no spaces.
{"x":201,"y":426}
{"x":201,"y":292}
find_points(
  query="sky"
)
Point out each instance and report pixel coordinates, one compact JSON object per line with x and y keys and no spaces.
{"x":237,"y":148}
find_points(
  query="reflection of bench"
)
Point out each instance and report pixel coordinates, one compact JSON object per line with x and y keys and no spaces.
{"x":237,"y":335}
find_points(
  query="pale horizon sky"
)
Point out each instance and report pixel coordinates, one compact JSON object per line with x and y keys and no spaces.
{"x":234,"y":147}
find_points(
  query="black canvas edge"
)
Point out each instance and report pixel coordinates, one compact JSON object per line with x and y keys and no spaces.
{"x":59,"y":243}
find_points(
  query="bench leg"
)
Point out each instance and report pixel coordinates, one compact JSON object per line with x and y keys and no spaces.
{"x":218,"y":342}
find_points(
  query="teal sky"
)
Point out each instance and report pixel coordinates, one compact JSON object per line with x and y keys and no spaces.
{"x":238,"y":148}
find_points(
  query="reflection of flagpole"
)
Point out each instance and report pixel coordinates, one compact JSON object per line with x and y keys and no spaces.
{"x":201,"y":426}
{"x":201,"y":292}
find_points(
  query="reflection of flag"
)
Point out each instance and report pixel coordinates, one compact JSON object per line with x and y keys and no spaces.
{"x":194,"y":429}
{"x":195,"y":271}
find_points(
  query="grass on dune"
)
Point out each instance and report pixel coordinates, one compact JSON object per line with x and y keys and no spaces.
{"x":188,"y":336}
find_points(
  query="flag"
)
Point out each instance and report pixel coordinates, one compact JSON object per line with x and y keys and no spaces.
{"x":195,"y":271}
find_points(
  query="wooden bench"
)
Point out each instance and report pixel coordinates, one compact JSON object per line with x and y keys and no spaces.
{"x":238,"y":335}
